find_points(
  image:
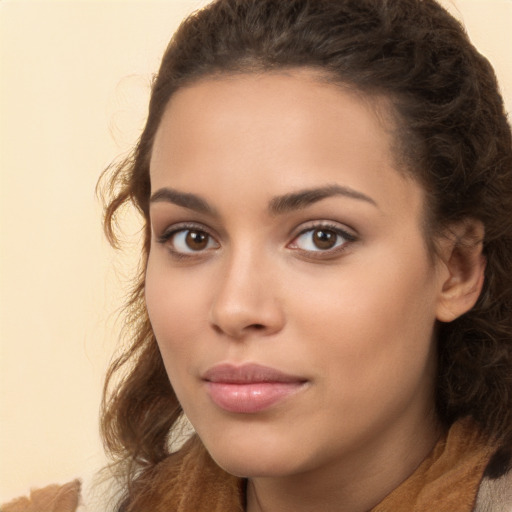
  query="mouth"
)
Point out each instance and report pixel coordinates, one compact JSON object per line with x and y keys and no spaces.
{"x":249,"y":388}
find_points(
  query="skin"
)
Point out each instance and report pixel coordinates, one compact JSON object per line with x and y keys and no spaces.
{"x":356,"y":322}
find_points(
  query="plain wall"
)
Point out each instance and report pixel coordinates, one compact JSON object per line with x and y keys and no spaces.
{"x":74,"y":83}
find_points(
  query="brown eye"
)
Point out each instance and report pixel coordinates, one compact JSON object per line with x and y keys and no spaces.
{"x":324,"y":238}
{"x":196,"y":240}
{"x":188,"y":241}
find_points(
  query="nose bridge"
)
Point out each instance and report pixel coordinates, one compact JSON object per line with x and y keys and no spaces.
{"x":246,"y":299}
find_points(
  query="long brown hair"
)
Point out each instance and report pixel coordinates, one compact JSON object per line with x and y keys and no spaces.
{"x":454,"y":139}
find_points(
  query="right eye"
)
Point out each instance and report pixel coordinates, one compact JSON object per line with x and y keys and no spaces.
{"x":188,"y":241}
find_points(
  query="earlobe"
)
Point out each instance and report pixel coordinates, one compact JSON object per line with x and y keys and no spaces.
{"x":464,"y":263}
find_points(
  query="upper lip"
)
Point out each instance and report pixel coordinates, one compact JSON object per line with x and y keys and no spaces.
{"x":247,"y":373}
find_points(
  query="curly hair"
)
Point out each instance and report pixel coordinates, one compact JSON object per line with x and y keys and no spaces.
{"x":453,"y":137}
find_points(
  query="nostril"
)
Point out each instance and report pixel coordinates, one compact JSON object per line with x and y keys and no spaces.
{"x":217,"y":329}
{"x":251,"y":327}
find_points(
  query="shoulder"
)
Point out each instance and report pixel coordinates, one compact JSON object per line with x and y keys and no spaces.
{"x":53,"y":498}
{"x":495,"y":491}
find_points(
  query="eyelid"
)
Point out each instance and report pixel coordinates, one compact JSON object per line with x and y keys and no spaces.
{"x":341,"y":231}
{"x":181,"y":226}
{"x":174,"y":229}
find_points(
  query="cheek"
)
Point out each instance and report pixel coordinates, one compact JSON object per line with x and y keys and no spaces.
{"x":375,"y":327}
{"x":175,"y":311}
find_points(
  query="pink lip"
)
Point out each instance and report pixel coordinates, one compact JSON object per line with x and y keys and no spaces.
{"x":249,"y":388}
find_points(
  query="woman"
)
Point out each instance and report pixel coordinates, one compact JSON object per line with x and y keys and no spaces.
{"x":325,"y":288}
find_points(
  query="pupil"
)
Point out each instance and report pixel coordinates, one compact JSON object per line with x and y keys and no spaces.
{"x":197,"y":240}
{"x":324,"y":239}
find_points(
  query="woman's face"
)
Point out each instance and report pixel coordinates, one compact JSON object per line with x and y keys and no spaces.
{"x":288,"y":284}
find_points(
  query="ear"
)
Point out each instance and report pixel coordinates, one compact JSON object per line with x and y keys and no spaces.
{"x":464,"y":266}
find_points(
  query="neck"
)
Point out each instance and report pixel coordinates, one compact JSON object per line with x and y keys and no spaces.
{"x":353,"y":482}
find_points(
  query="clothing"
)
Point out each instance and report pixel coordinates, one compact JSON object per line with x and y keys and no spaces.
{"x":463,"y":473}
{"x":54,"y":498}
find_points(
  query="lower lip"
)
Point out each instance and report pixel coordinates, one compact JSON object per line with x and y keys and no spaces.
{"x":252,"y":397}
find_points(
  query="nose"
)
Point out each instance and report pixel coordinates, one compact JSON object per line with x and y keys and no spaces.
{"x":246,"y":301}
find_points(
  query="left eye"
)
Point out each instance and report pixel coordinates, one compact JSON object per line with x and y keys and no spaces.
{"x":321,"y":239}
{"x":192,"y":240}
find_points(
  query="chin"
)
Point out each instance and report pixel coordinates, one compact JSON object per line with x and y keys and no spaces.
{"x":270,"y":467}
{"x":253,"y":457}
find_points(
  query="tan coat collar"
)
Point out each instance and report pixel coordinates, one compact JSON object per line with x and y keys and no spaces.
{"x":446,"y":481}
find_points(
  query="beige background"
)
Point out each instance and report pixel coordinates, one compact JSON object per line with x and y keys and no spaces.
{"x":74,"y":79}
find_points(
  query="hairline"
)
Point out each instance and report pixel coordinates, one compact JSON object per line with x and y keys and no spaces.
{"x":382,"y":104}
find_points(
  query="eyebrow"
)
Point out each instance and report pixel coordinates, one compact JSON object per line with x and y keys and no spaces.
{"x":304,"y":198}
{"x":186,"y":200}
{"x":277,"y":206}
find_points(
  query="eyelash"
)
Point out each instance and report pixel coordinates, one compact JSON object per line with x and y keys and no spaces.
{"x":171,"y":232}
{"x":326,"y":227}
{"x":348,"y":238}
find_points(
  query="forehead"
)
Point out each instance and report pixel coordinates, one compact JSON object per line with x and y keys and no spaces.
{"x":288,"y":130}
{"x":262,"y":102}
